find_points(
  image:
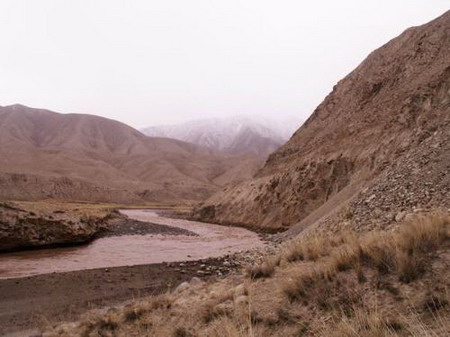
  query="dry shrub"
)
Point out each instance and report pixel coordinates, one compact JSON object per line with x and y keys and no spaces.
{"x":364,"y":322}
{"x":264,"y":269}
{"x":434,"y":302}
{"x":329,"y":292}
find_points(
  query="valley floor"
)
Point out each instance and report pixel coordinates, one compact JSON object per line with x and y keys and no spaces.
{"x":392,"y":283}
{"x":41,"y":287}
{"x":36,"y":302}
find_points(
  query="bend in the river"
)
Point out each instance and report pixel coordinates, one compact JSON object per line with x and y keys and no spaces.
{"x":212,"y":241}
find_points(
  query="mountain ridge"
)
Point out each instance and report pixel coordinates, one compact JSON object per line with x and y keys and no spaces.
{"x":239,"y":134}
{"x":103,"y":154}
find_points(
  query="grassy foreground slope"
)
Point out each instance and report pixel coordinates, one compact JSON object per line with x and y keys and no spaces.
{"x":379,"y":284}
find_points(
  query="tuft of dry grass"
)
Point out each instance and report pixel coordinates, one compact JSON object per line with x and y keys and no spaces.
{"x":306,"y":285}
{"x":314,"y":247}
{"x":95,"y":323}
{"x":133,"y":312}
{"x":310,"y":249}
{"x":363,"y":322}
{"x":324,"y":298}
{"x":228,"y":327}
{"x":264,"y":269}
{"x":371,"y":322}
{"x":404,"y":253}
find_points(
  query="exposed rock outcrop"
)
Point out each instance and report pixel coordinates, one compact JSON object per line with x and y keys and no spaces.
{"x":385,"y":118}
{"x":20,"y":229}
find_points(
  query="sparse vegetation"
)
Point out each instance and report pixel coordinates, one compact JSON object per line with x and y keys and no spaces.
{"x":404,"y":253}
{"x":354,"y":287}
{"x":314,"y":247}
{"x":264,"y":269}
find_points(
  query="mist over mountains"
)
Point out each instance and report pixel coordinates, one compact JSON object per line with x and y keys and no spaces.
{"x":45,"y":154}
{"x":255,"y":135}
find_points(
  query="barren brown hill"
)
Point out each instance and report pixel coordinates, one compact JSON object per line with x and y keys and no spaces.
{"x":44,"y":154}
{"x":379,"y":143}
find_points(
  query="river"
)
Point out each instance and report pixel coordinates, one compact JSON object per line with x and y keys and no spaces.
{"x":128,"y":250}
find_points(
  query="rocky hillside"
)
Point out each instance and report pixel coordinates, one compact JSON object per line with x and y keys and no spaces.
{"x":378,"y":145}
{"x":44,"y":154}
{"x":240,"y":135}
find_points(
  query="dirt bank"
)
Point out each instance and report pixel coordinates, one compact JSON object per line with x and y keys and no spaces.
{"x":38,"y":301}
{"x":29,"y":301}
{"x":122,"y":225}
{"x":26,"y":229}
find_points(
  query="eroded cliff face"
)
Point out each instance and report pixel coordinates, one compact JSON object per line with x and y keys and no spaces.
{"x":22,"y":229}
{"x":394,"y":102}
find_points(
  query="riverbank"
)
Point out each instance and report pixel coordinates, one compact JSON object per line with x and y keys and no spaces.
{"x":41,"y":300}
{"x":40,"y":225}
{"x":149,"y":254}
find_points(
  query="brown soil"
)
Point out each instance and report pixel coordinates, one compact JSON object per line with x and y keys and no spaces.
{"x":40,"y":300}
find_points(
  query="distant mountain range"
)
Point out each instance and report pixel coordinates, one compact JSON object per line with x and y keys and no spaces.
{"x":44,"y":154}
{"x":240,"y":134}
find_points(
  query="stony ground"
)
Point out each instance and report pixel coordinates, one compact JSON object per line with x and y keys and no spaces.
{"x":39,"y":301}
{"x":348,"y":286}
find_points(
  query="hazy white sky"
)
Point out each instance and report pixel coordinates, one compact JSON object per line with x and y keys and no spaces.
{"x":160,"y":61}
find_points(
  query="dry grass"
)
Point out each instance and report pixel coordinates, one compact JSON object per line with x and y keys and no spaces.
{"x":309,"y":249}
{"x":314,"y":247}
{"x":228,"y":327}
{"x":264,"y":269}
{"x":404,"y":254}
{"x":363,"y":322}
{"x":96,"y":323}
{"x":135,"y":311}
{"x":372,"y":322}
{"x":356,"y":287}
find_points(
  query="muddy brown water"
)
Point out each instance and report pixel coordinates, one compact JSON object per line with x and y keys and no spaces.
{"x":212,"y":241}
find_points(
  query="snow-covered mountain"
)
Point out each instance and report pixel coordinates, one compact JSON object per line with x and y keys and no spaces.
{"x":240,"y":134}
